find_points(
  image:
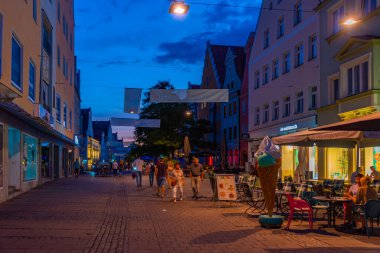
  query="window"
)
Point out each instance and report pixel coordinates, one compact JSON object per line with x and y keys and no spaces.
{"x":225,"y":111}
{"x":276,"y":110}
{"x":244,"y":106}
{"x":44,"y":94}
{"x":338,"y":15}
{"x":270,"y":6}
{"x":286,"y":62}
{"x":59,"y":11}
{"x":64,"y":24}
{"x":299,"y":104}
{"x":275,"y":69}
{"x":64,"y":115}
{"x":266,"y":113}
{"x":286,"y":107}
{"x":58,"y":56}
{"x":235,"y":132}
{"x":297,"y":13}
{"x":266,"y":38}
{"x":257,"y":116}
{"x":235,"y":107}
{"x":336,"y":90}
{"x":71,"y":77}
{"x":280,"y":27}
{"x":265,"y":74}
{"x":30,"y":154}
{"x":313,"y":97}
{"x":58,"y":108}
{"x":368,"y":6}
{"x":299,"y":55}
{"x":230,"y":133}
{"x":16,"y":64}
{"x":35,"y":10}
{"x":229,"y":109}
{"x":358,"y":78}
{"x":32,"y":81}
{"x":70,"y":120}
{"x":64,"y":66}
{"x":312,"y":47}
{"x":67,"y":70}
{"x":257,"y":79}
{"x":67,"y":31}
{"x":232,"y":85}
{"x":71,"y":41}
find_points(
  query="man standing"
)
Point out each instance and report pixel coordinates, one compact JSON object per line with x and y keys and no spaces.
{"x":115,"y":166}
{"x":138,"y":164}
{"x":196,"y":171}
{"x":375,"y":175}
{"x":76,"y":168}
{"x":161,"y":174}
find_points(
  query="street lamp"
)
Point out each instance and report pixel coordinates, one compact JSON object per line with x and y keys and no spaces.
{"x":350,"y":21}
{"x":178,"y":8}
{"x":188,"y":113}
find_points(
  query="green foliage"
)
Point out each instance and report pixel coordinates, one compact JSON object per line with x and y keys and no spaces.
{"x":174,"y":127}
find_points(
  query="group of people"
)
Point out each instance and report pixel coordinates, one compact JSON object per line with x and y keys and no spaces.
{"x":169,"y":174}
{"x":374,"y":177}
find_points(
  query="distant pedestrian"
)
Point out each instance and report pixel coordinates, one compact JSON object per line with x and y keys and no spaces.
{"x":178,"y":180}
{"x":196,"y":173}
{"x":152,"y":169}
{"x":161,"y":174}
{"x":138,"y":165}
{"x":170,"y":171}
{"x":76,"y":168}
{"x":115,"y":166}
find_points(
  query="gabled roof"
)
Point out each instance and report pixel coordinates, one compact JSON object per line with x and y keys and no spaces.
{"x":219,"y":53}
{"x":354,"y":45}
{"x":100,"y":127}
{"x":239,"y":60}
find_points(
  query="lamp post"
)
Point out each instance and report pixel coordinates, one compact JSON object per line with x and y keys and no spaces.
{"x":178,"y":8}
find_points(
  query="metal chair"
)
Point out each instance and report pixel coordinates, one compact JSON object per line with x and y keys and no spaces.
{"x":371,"y":211}
{"x":253,"y":198}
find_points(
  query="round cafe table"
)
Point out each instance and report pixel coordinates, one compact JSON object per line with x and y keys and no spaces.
{"x":333,"y":203}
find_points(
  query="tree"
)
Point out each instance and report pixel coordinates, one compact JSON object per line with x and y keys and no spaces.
{"x":174,"y":126}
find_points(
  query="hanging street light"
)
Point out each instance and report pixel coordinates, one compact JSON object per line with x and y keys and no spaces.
{"x":350,"y":21}
{"x":178,"y":8}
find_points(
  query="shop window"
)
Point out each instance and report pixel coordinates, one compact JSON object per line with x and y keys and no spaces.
{"x":1,"y":155}
{"x":339,"y":160}
{"x":289,"y":161}
{"x":30,"y":158}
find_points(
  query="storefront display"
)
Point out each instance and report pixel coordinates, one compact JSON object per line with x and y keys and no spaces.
{"x":30,"y":155}
{"x":339,"y":162}
{"x":291,"y":159}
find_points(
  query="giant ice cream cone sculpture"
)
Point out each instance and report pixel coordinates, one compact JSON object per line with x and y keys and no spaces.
{"x":268,"y":180}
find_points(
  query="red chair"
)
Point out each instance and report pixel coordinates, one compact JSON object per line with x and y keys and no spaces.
{"x":300,"y":206}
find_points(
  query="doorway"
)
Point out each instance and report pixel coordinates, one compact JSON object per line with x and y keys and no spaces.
{"x":14,"y":158}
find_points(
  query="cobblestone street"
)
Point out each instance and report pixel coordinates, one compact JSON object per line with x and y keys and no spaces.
{"x":111,"y":215}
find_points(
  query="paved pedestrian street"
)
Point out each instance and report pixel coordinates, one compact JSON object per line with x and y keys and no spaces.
{"x":111,"y":215}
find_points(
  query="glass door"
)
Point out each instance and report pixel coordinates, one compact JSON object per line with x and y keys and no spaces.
{"x":14,"y":157}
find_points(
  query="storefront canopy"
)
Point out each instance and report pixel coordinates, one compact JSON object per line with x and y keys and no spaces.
{"x":369,"y":122}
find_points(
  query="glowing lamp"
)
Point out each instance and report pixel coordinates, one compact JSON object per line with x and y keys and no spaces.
{"x":178,"y":8}
{"x":350,"y":21}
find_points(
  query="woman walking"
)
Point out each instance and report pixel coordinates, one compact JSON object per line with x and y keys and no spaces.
{"x":178,"y":180}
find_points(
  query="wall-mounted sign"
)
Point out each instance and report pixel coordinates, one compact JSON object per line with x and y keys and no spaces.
{"x":76,"y":140}
{"x":288,"y":128}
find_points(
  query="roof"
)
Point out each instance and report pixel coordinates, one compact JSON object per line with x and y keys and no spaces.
{"x":100,"y":127}
{"x":85,"y":115}
{"x":239,"y":60}
{"x":33,"y":121}
{"x":219,"y":53}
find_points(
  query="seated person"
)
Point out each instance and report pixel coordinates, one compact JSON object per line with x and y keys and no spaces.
{"x":375,"y":175}
{"x":365,"y":193}
{"x":351,"y":194}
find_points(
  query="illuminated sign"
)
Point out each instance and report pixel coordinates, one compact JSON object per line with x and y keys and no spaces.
{"x":76,"y":140}
{"x":288,"y":128}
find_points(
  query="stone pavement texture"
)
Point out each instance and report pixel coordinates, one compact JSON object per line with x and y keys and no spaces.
{"x":111,"y":215}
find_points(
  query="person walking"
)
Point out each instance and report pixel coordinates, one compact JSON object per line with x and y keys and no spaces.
{"x":151,"y":173}
{"x":115,"y":166}
{"x":196,"y":171}
{"x":76,"y":168}
{"x":178,"y":180}
{"x":161,"y":175}
{"x":170,"y":170}
{"x":138,"y":164}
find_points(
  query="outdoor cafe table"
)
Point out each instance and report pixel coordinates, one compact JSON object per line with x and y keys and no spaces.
{"x":333,"y":203}
{"x":282,"y":208}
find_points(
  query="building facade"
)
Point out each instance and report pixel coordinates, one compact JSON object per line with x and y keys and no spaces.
{"x":244,"y":135}
{"x":33,"y":148}
{"x":230,"y":113}
{"x":350,"y":77}
{"x":89,"y":146}
{"x":103,"y":133}
{"x":284,"y":76}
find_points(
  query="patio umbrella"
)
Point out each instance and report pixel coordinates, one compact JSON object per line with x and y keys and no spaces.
{"x":186,"y":147}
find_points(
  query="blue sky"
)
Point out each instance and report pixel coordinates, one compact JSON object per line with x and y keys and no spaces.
{"x":135,"y":43}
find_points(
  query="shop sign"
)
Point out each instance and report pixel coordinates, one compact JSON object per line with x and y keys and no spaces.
{"x":288,"y":128}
